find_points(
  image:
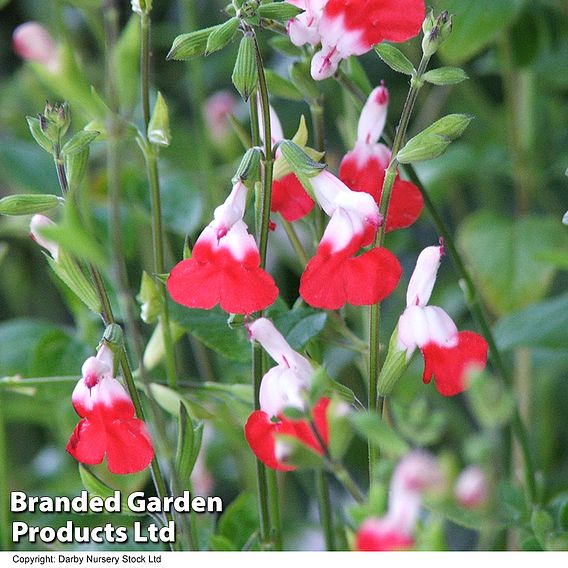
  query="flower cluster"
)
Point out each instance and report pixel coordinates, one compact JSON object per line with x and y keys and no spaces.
{"x":351,"y":27}
{"x":416,"y":474}
{"x":108,"y":425}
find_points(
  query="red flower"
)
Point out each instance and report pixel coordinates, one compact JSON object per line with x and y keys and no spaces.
{"x":335,"y":276}
{"x":352,"y":27}
{"x":260,"y":433}
{"x":376,"y":535}
{"x":108,"y":425}
{"x":289,"y":198}
{"x":225,"y":265}
{"x":363,"y":168}
{"x":449,"y":355}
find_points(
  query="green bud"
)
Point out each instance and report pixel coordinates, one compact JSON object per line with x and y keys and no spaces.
{"x":221,"y":35}
{"x":28,"y":204}
{"x":55,"y":121}
{"x":437,"y":34}
{"x":394,"y":366}
{"x":394,"y":58}
{"x":159,"y":125}
{"x":150,"y":299}
{"x":245,"y":72}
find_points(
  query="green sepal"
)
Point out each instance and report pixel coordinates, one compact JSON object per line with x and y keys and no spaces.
{"x":394,"y":366}
{"x":433,"y":141}
{"x":150,"y":299}
{"x":221,"y":35}
{"x":39,"y":136}
{"x":245,"y":72}
{"x":76,"y":168}
{"x":445,"y":76}
{"x":248,"y":171}
{"x":159,"y":125}
{"x":186,"y":46}
{"x":279,"y":11}
{"x":28,"y":204}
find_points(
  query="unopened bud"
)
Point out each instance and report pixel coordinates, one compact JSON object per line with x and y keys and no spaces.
{"x":436,"y":34}
{"x":472,"y":487}
{"x":38,"y":223}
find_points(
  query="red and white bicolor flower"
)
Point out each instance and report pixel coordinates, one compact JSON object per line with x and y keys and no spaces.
{"x":335,"y":276}
{"x":225,"y":265}
{"x":108,"y":425}
{"x":289,"y":198}
{"x":417,"y":473}
{"x":352,"y":27}
{"x":364,"y":167}
{"x":449,"y":355}
{"x":38,"y":223}
{"x":32,"y":42}
{"x":284,"y":386}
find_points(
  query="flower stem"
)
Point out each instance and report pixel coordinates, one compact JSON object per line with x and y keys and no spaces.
{"x":151,"y":159}
{"x":390,"y":176}
{"x":274,"y":502}
{"x":326,"y":518}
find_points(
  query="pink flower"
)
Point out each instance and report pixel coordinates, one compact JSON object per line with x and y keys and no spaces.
{"x":352,"y":27}
{"x":363,"y":168}
{"x":335,"y":276}
{"x":38,"y":223}
{"x":225,"y":265}
{"x":32,"y":42}
{"x":472,"y":488}
{"x":108,"y":425}
{"x":218,"y":108}
{"x":449,"y":355}
{"x":416,"y":473}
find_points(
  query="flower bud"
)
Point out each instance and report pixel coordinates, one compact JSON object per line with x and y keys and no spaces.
{"x":437,"y":34}
{"x":373,"y":116}
{"x":424,"y":276}
{"x":32,"y":42}
{"x":38,"y":223}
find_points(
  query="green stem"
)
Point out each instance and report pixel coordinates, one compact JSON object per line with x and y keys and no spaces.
{"x":5,"y":524}
{"x":326,"y":518}
{"x":295,"y":242}
{"x":274,"y":502}
{"x":390,"y":176}
{"x":151,"y":159}
{"x":318,"y":124}
{"x":342,"y":475}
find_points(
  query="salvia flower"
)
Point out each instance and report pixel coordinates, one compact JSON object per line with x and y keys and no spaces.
{"x":225,"y":265}
{"x":32,"y":42}
{"x":352,"y":27}
{"x":335,"y":276}
{"x":449,"y":355}
{"x":218,"y":107}
{"x":108,"y":425}
{"x":283,"y":387}
{"x":38,"y":223}
{"x":416,"y":474}
{"x":363,"y":168}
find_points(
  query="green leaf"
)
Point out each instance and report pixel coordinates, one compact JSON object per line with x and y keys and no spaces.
{"x":491,"y":403}
{"x":97,"y":487}
{"x":280,"y":11}
{"x":433,"y":141}
{"x":170,"y":400}
{"x":394,"y":58}
{"x":221,"y":35}
{"x":445,"y":76}
{"x":245,"y":72}
{"x":476,"y":25}
{"x":210,"y":327}
{"x":79,"y":142}
{"x":301,"y":77}
{"x":280,"y":87}
{"x":190,"y":45}
{"x":379,"y":433}
{"x":283,"y":45}
{"x":503,"y":254}
{"x":519,"y":329}
{"x":239,"y":520}
{"x":27,"y":204}
{"x":418,"y":422}
{"x":188,"y":445}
